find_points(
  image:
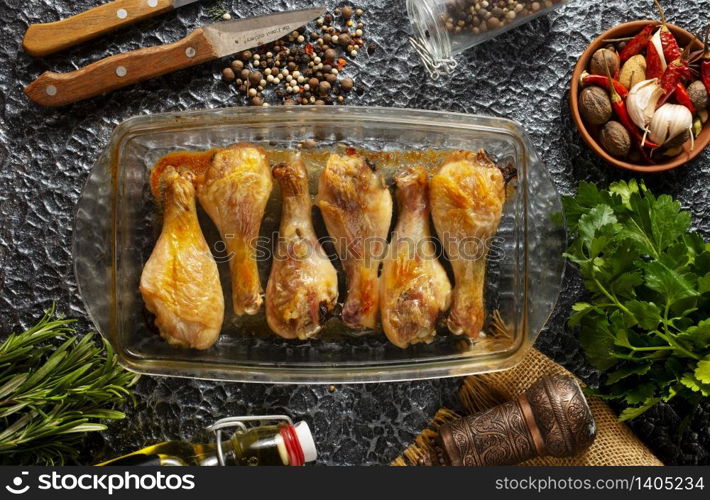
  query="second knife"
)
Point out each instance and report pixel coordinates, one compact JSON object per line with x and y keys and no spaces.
{"x":46,"y":38}
{"x":203,"y":44}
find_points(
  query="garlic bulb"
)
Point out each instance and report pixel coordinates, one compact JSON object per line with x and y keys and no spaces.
{"x":641,"y":101}
{"x":668,"y":121}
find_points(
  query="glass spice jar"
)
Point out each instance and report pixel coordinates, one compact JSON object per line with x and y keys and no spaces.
{"x":445,"y":28}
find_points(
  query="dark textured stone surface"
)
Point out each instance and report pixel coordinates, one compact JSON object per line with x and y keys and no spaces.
{"x":46,"y":154}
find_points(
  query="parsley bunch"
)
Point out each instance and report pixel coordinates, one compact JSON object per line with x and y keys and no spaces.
{"x":647,"y":321}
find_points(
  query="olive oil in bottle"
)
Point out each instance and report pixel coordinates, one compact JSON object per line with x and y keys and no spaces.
{"x":276,"y":444}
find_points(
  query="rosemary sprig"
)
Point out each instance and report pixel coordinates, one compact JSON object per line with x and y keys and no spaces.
{"x":50,"y":395}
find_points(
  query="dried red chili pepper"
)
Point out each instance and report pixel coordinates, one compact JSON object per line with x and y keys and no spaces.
{"x":309,"y":49}
{"x":654,"y":65}
{"x":675,"y":72}
{"x":603,"y":81}
{"x":341,"y":63}
{"x":683,"y":98}
{"x":637,"y":43}
{"x":617,"y":104}
{"x":671,"y":50}
{"x":705,"y":65}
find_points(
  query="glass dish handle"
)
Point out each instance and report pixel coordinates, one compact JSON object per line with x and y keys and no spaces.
{"x":92,"y":243}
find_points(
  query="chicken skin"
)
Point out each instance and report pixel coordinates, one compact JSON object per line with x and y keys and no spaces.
{"x":303,"y":284}
{"x":467,"y":196}
{"x":234,"y":193}
{"x":414,"y":288}
{"x":357,"y":210}
{"x":180,"y":282}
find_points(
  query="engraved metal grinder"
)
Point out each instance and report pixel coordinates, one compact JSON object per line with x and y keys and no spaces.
{"x":552,"y":418}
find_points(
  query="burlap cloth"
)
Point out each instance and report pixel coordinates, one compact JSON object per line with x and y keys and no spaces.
{"x":615,"y":444}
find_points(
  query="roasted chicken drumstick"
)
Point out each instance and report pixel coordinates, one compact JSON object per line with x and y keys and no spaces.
{"x":414,"y":288}
{"x":303,"y":284}
{"x":467,"y":196}
{"x":234,"y":193}
{"x":357,"y":210}
{"x":180,"y":282}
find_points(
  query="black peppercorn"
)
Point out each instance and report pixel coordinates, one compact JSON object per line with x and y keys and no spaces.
{"x":255,"y":77}
{"x":228,"y":74}
{"x":347,"y":84}
{"x":330,"y":55}
{"x":345,"y":39}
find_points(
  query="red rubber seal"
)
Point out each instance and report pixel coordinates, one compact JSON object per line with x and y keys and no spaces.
{"x":293,"y":446}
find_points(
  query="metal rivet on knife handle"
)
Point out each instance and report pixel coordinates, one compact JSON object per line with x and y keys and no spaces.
{"x":43,"y":39}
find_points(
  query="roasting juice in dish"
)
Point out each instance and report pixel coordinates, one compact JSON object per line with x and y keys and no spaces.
{"x":385,"y":164}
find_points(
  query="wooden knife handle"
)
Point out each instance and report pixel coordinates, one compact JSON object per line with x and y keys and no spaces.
{"x":44,"y":39}
{"x":58,"y":89}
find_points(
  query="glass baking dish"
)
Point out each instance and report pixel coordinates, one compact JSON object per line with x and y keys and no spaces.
{"x":117,"y":223}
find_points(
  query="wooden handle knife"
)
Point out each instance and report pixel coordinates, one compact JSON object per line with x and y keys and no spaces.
{"x":44,"y":39}
{"x":58,"y":89}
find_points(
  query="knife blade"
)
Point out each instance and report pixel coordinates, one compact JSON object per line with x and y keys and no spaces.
{"x":203,"y":44}
{"x":47,"y":38}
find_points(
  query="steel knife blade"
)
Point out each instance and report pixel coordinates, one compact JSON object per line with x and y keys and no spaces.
{"x":203,"y":44}
{"x":234,"y":36}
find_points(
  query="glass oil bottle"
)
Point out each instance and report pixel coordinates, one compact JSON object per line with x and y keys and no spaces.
{"x":275,"y":440}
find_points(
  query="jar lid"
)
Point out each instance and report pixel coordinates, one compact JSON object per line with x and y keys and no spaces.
{"x":305,"y":438}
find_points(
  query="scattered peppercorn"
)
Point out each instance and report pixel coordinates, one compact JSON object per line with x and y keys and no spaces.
{"x":228,"y":74}
{"x":237,"y":65}
{"x":255,"y":77}
{"x":347,"y":84}
{"x":302,"y":67}
{"x":324,"y":87}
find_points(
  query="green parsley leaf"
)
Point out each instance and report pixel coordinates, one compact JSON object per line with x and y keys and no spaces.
{"x":646,"y":320}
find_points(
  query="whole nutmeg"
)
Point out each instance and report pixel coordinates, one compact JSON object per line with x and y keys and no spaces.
{"x":594,"y":105}
{"x":698,"y":94}
{"x":597,"y":66}
{"x":633,"y":71}
{"x":615,"y":139}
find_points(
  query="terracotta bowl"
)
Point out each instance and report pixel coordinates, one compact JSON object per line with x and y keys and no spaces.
{"x":621,"y":31}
